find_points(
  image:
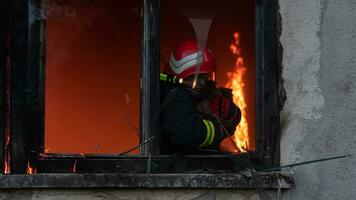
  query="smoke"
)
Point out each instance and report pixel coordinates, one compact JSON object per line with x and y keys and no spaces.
{"x":60,"y":9}
{"x":36,"y":13}
{"x":56,"y":9}
{"x":127,"y":98}
{"x":65,"y":20}
{"x":92,"y":75}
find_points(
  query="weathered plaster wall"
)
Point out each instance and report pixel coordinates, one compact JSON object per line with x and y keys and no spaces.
{"x":319,"y":118}
{"x":140,"y":194}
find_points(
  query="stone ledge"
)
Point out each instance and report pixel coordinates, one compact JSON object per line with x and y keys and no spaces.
{"x":271,"y":180}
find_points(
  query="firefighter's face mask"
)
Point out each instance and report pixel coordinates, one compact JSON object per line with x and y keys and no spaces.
{"x":207,"y":90}
{"x":205,"y":85}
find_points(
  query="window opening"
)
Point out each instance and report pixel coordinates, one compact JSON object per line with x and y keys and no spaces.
{"x":227,"y":28}
{"x":92,"y":92}
{"x":224,"y":41}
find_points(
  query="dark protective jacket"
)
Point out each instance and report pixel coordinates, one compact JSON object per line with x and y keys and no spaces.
{"x":183,"y":128}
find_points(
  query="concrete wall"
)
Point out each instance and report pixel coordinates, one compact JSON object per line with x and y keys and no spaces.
{"x":140,"y":194}
{"x":319,"y":118}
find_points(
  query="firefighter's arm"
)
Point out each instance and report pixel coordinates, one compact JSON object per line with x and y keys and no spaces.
{"x":214,"y":134}
{"x":222,"y":107}
{"x":186,"y":127}
{"x":222,"y":104}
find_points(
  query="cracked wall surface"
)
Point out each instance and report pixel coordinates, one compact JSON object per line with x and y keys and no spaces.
{"x":319,"y":118}
{"x":132,"y":194}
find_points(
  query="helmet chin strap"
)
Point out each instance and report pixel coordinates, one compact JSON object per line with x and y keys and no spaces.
{"x":196,"y":76}
{"x":194,"y":84}
{"x":197,"y":69}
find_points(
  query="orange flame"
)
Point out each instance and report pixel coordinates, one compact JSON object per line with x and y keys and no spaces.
{"x":7,"y":154}
{"x":46,"y":150}
{"x":74,"y":170}
{"x":7,"y":163}
{"x":30,"y":169}
{"x":236,"y":83}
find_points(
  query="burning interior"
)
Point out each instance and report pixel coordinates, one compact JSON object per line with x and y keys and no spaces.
{"x":89,"y":67}
{"x":92,"y":76}
{"x":228,"y":29}
{"x":92,"y":92}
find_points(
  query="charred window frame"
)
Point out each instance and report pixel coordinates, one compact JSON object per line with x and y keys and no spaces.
{"x":4,"y":52}
{"x":26,"y":78}
{"x":270,"y":94}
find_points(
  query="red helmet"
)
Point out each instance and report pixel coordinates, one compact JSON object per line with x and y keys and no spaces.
{"x":186,"y":56}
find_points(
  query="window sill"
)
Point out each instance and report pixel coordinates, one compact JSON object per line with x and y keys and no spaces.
{"x":271,"y":180}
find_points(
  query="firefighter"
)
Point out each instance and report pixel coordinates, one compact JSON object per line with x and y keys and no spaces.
{"x":195,"y":115}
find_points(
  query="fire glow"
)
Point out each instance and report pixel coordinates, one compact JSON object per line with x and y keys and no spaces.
{"x":74,"y":169}
{"x":236,"y":83}
{"x":30,"y":169}
{"x":7,"y":155}
{"x":7,"y":168}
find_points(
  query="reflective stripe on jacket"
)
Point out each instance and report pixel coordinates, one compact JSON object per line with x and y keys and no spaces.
{"x":183,"y":128}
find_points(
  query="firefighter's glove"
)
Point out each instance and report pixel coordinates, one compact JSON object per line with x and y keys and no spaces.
{"x":230,"y":127}
{"x":227,"y":112}
{"x":225,"y":109}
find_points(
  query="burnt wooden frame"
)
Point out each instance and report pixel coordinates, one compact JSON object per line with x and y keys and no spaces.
{"x":27,"y":94}
{"x":270,"y":95}
{"x":4,"y":52}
